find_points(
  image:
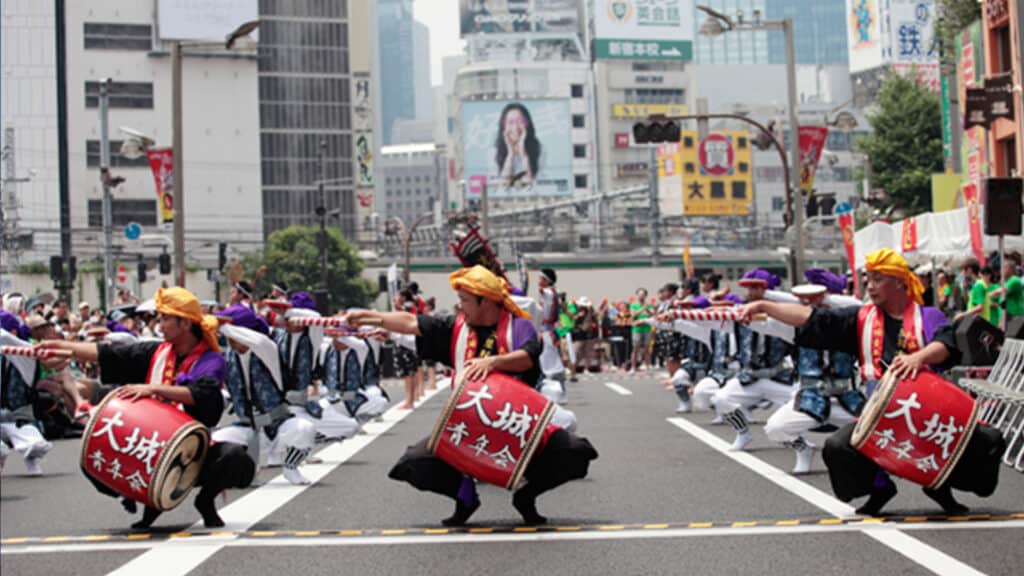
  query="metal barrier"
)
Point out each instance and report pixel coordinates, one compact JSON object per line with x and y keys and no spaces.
{"x":1002,"y":394}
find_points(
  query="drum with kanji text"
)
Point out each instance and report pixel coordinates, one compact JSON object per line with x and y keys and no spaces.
{"x":916,"y":428}
{"x":147,"y":450}
{"x":490,"y":429}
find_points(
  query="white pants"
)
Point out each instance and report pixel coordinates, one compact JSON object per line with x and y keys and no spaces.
{"x":563,"y":418}
{"x":788,"y":423}
{"x":334,"y":422}
{"x":735,"y":395}
{"x":550,"y":358}
{"x":375,"y":405}
{"x":26,"y":440}
{"x":292,"y":433}
{"x":553,"y":390}
{"x":703,"y":393}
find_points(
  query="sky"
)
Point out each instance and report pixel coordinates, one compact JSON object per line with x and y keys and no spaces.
{"x":442,"y":18}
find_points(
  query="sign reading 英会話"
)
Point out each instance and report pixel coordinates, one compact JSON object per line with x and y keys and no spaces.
{"x":643,"y":29}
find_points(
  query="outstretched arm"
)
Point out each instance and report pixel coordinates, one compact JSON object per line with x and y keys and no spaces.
{"x":400,"y":322}
{"x":792,"y":314}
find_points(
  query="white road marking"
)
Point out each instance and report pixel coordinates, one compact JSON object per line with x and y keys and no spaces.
{"x":931,"y":558}
{"x":200,"y":544}
{"x":620,"y":390}
{"x":170,"y":558}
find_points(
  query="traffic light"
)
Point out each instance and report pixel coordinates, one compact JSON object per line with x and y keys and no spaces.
{"x":56,"y":268}
{"x":141,"y":271}
{"x":165,"y":263}
{"x":72,"y":269}
{"x":655,"y":132}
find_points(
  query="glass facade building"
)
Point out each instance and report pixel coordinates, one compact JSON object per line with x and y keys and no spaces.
{"x":304,"y":102}
{"x":395,"y":46}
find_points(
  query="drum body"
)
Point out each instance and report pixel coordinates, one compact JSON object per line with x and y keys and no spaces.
{"x":147,"y":450}
{"x":916,"y":428}
{"x":490,"y":429}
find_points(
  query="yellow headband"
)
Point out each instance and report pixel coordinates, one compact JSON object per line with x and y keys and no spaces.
{"x":480,"y":281}
{"x":181,"y":303}
{"x":888,"y":262}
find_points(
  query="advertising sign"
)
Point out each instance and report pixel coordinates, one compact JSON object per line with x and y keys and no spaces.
{"x":716,"y":174}
{"x":645,"y":110}
{"x":161,"y":161}
{"x":522,"y":147}
{"x":913,"y":46}
{"x":512,"y":16}
{"x":364,"y":159}
{"x":643,"y":29}
{"x":864,"y":34}
{"x":204,"y":19}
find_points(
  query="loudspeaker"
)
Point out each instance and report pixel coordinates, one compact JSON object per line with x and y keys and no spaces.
{"x":1015,"y":328}
{"x":1003,"y":209}
{"x":979,"y":342}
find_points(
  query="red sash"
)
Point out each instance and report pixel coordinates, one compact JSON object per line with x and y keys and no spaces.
{"x":871,"y":335}
{"x":162,"y":369}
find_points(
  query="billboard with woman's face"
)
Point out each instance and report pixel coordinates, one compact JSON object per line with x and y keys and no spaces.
{"x":521,"y":147}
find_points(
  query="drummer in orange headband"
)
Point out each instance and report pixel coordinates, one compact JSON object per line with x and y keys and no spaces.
{"x":187,"y":368}
{"x":492,"y":334}
{"x":895,"y":336}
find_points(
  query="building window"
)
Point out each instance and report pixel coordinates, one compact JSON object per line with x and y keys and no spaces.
{"x":121,"y":95}
{"x":123,"y":212}
{"x":109,"y":36}
{"x":581,"y":181}
{"x":778,"y":203}
{"x":577,"y":90}
{"x":578,"y":121}
{"x":579,"y":150}
{"x":92,"y":156}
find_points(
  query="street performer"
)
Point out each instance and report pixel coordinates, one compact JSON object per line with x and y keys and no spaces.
{"x":895,"y":332}
{"x":187,"y":368}
{"x":492,"y":334}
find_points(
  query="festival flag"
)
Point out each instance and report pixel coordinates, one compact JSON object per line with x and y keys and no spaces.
{"x":161,"y":162}
{"x":909,"y":242}
{"x":687,"y":260}
{"x":974,"y":221}
{"x":844,"y":212}
{"x":812,"y":142}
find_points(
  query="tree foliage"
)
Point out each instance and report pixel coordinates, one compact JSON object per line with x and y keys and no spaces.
{"x":905,"y":145}
{"x":292,"y":256}
{"x":953,"y":17}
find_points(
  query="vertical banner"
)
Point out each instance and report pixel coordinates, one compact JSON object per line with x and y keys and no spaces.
{"x":974,"y":221}
{"x":812,"y":142}
{"x":161,"y":161}
{"x":687,"y":259}
{"x":909,"y":241}
{"x":844,"y":212}
{"x":392,"y":285}
{"x":524,"y":272}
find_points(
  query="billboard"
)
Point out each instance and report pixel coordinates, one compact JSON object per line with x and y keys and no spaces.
{"x":204,"y":19}
{"x":913,"y":42}
{"x":717,"y":176}
{"x":527,"y":142}
{"x":645,"y":110}
{"x":864,"y":34}
{"x":511,"y":16}
{"x":643,"y":29}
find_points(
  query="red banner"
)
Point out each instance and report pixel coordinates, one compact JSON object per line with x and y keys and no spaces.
{"x":161,"y":161}
{"x":846,"y":227}
{"x":974,"y":221}
{"x":909,"y":242}
{"x":812,"y":142}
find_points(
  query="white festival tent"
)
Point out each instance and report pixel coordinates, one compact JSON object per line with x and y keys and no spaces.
{"x":942,"y":238}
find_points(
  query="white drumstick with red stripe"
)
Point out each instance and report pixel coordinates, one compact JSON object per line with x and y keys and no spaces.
{"x":713,"y":315}
{"x":34,"y":352}
{"x":329,"y":321}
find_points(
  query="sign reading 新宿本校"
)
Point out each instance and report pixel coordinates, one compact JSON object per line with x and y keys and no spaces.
{"x":643,"y":29}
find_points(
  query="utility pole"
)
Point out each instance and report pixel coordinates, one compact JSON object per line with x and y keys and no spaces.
{"x":655,"y":216}
{"x":179,"y":165}
{"x":483,"y":211}
{"x":794,"y":151}
{"x":322,"y":213}
{"x":63,"y":178}
{"x":108,"y":261}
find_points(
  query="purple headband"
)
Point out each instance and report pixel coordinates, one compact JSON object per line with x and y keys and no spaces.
{"x":700,"y":302}
{"x":302,"y":299}
{"x":243,"y":317}
{"x":12,"y":324}
{"x":734,"y":298}
{"x":759,"y":274}
{"x":834,"y":283}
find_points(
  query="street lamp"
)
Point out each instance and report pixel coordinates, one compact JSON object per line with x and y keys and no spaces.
{"x":717,"y":24}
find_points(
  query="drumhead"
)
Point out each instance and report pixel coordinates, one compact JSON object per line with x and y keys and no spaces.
{"x":179,"y":466}
{"x":873,"y":410}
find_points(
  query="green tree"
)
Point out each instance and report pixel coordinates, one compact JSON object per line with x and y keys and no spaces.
{"x":953,"y":17}
{"x":905,"y":145}
{"x":292,"y":256}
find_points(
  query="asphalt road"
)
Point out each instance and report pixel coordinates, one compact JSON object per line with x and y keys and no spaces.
{"x":661,"y":499}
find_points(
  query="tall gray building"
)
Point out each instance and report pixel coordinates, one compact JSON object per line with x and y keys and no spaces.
{"x":305,"y":112}
{"x":395,"y":37}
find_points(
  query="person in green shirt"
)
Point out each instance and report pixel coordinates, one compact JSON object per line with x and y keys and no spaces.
{"x":1012,"y":295}
{"x":980,"y":300}
{"x":639,"y":311}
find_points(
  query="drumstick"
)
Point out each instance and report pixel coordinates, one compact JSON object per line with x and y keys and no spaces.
{"x":715,"y":315}
{"x":332,"y":321}
{"x":34,"y":352}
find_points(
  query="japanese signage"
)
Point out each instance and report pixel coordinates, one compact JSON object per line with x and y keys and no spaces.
{"x":203,"y":19}
{"x":490,"y":429}
{"x":844,"y":212}
{"x":622,"y":140}
{"x":909,"y":236}
{"x":972,"y":201}
{"x":644,"y":29}
{"x":632,"y":169}
{"x":864,"y":34}
{"x":512,"y":16}
{"x":161,"y":162}
{"x":812,"y":142}
{"x":919,"y":430}
{"x":973,"y":143}
{"x":912,"y":32}
{"x":645,"y":110}
{"x":520,"y":147}
{"x":986,"y":105}
{"x":716,"y":173}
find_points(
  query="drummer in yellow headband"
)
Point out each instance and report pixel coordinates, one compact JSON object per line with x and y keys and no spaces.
{"x":893,"y":336}
{"x":491,"y":333}
{"x":186,"y":369}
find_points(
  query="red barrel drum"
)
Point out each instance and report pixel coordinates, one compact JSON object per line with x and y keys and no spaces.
{"x":147,"y":450}
{"x":490,"y":429}
{"x":916,"y":428}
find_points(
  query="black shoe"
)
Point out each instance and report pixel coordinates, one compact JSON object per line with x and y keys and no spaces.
{"x":944,"y":497}
{"x":527,"y":507}
{"x":462,"y":514}
{"x":149,"y":515}
{"x":879,"y":498}
{"x":205,"y":505}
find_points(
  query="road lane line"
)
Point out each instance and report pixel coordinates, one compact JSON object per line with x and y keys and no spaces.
{"x":170,"y":558}
{"x":173,"y":550}
{"x":620,"y":390}
{"x":931,"y":558}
